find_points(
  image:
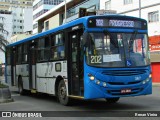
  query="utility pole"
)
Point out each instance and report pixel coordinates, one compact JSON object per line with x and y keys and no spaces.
{"x":139,"y":8}
{"x":65,"y":12}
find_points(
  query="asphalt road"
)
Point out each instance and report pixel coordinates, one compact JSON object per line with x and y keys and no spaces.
{"x":92,"y":109}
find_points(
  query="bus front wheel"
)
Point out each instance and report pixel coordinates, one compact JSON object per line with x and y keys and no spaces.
{"x":112,"y":100}
{"x":62,"y":93}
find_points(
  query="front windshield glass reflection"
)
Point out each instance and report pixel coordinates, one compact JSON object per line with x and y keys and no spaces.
{"x":117,"y":49}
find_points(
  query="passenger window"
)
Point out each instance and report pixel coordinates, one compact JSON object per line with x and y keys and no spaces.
{"x":57,"y":47}
{"x":19,"y":54}
{"x":44,"y":49}
{"x":25,"y":53}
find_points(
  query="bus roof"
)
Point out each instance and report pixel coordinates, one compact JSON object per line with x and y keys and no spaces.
{"x":67,"y":25}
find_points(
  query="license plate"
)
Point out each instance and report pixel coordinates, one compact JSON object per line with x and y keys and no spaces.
{"x":123,"y":91}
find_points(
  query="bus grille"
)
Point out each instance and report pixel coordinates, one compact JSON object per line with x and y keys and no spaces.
{"x":118,"y":92}
{"x":123,"y":72}
{"x":122,"y":83}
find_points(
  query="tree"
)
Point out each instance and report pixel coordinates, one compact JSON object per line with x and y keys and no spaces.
{"x":3,"y":32}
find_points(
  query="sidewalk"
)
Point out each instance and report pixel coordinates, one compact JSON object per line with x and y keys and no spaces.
{"x":2,"y":79}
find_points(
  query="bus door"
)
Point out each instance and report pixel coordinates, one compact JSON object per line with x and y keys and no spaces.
{"x":13,"y":67}
{"x":75,"y":63}
{"x":32,"y":67}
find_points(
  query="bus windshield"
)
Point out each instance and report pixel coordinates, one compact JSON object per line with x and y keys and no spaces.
{"x":117,"y":49}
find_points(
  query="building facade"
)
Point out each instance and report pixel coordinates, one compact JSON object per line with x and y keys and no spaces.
{"x":40,"y":7}
{"x":5,"y":31}
{"x":18,"y":37}
{"x":21,"y":11}
{"x":6,"y":21}
{"x":56,"y":16}
{"x":139,"y":8}
{"x":17,"y":16}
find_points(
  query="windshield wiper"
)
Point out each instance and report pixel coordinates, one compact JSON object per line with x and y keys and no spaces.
{"x":132,"y":38}
{"x":106,"y":32}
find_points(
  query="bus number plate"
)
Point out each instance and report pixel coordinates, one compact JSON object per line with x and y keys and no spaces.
{"x":123,"y":91}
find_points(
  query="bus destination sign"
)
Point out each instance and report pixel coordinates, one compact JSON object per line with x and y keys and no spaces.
{"x":124,"y":23}
{"x":114,"y":23}
{"x":121,"y":23}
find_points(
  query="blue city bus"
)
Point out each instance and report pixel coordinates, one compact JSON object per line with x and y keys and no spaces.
{"x":88,"y":58}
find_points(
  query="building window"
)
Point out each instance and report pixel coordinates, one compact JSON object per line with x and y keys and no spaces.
{"x":35,"y":26}
{"x":40,"y":13}
{"x":47,"y":2}
{"x":153,"y":16}
{"x":126,"y":2}
{"x":47,"y":25}
{"x":108,"y":5}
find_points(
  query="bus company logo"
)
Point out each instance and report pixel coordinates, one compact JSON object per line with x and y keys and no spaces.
{"x":6,"y":114}
{"x":138,"y":78}
{"x":20,"y":114}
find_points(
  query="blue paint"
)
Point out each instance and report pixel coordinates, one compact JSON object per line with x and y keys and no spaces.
{"x":92,"y":90}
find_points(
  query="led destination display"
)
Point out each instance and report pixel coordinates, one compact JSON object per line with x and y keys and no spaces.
{"x":104,"y":22}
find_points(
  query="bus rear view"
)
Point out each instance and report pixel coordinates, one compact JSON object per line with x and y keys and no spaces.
{"x":117,"y":62}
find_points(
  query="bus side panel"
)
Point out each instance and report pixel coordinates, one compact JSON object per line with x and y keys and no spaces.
{"x":8,"y":75}
{"x":47,"y":73}
{"x":23,"y":71}
{"x":50,"y":85}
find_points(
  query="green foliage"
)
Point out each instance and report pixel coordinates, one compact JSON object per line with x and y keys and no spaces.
{"x":3,"y":86}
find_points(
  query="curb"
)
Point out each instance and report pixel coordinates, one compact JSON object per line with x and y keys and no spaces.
{"x":5,"y":95}
{"x":6,"y":100}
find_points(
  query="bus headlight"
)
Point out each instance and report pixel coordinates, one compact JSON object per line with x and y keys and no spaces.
{"x":104,"y":84}
{"x":150,"y":76}
{"x":145,"y":81}
{"x":97,"y":82}
{"x":91,"y":77}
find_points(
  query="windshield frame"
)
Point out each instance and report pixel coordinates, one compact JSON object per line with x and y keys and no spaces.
{"x":132,"y":36}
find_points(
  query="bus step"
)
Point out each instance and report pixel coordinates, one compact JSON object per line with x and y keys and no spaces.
{"x":33,"y":91}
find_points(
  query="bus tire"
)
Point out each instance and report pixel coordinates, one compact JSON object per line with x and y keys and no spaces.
{"x":112,"y":100}
{"x":20,"y":86}
{"x":62,"y":93}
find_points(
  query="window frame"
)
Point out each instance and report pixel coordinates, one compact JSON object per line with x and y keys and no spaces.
{"x":43,"y":49}
{"x":56,"y":47}
{"x":127,"y":2}
{"x":24,"y":53}
{"x":153,"y":16}
{"x":19,"y":54}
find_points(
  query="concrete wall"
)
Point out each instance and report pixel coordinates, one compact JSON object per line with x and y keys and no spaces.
{"x":28,"y":19}
{"x":8,"y":23}
{"x":54,"y":21}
